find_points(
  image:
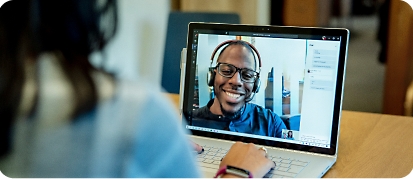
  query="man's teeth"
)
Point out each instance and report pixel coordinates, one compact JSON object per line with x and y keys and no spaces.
{"x":232,"y":95}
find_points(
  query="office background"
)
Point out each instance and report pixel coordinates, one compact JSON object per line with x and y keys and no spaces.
{"x":143,"y":25}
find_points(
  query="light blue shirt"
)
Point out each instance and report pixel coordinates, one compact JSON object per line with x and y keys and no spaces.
{"x":135,"y":133}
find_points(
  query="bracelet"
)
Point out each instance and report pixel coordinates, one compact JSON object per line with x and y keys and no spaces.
{"x":227,"y":169}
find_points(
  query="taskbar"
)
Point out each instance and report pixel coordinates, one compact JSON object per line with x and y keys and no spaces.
{"x":258,"y":136}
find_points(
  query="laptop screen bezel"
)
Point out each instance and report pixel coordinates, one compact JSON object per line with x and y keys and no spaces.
{"x":217,"y":27}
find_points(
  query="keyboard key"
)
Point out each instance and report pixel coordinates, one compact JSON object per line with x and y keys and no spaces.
{"x":208,"y":157}
{"x":286,"y":161}
{"x":214,"y":150}
{"x":284,"y":169}
{"x":223,"y":151}
{"x":276,"y":160}
{"x":220,"y":155}
{"x":299,"y":163}
{"x":216,"y":162}
{"x":200,"y":159}
{"x":285,"y":165}
{"x":208,"y":161}
{"x":217,"y":158}
{"x":295,"y":169}
{"x":210,"y":153}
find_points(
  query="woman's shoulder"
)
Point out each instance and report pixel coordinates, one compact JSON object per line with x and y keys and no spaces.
{"x":133,"y":99}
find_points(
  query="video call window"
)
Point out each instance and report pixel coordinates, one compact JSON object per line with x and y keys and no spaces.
{"x":289,"y":68}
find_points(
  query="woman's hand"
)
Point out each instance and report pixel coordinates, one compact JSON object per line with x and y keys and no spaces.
{"x":248,"y":157}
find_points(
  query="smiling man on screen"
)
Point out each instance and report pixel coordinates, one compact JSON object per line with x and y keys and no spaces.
{"x":235,"y":80}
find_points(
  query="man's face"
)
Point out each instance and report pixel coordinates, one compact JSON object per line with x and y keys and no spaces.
{"x":231,"y":93}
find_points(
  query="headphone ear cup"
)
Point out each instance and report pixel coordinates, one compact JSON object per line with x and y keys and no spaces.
{"x":257,"y":84}
{"x":255,"y":89}
{"x":211,"y":77}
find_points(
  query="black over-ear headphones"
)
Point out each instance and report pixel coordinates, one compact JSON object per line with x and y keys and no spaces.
{"x":211,"y":72}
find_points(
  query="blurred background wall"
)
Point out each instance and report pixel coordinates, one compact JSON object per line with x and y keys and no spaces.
{"x":137,"y":48}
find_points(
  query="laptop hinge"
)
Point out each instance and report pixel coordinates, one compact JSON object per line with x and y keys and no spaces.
{"x":304,"y":152}
{"x":182,"y":81}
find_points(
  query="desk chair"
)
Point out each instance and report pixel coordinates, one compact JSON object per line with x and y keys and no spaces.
{"x":176,"y":40}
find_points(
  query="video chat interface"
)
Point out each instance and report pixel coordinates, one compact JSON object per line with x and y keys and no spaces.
{"x":298,"y":80}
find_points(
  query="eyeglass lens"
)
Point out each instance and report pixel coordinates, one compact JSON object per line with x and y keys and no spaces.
{"x":228,"y":70}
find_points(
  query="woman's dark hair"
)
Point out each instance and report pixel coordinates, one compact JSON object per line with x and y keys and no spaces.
{"x":72,"y":28}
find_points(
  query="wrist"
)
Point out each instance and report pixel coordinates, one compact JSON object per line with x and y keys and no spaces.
{"x":228,"y":175}
{"x":234,"y":172}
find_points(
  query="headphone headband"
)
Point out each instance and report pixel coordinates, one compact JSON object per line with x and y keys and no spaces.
{"x":234,"y":41}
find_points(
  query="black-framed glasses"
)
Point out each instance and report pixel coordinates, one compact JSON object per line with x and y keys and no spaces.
{"x":228,"y":71}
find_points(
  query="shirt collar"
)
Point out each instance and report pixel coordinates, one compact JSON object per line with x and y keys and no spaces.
{"x":221,"y":117}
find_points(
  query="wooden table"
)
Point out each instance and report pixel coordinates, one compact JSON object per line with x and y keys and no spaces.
{"x":370,"y":145}
{"x":374,"y":145}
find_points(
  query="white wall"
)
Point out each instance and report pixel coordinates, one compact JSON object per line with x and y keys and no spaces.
{"x":137,"y":49}
{"x":250,"y":11}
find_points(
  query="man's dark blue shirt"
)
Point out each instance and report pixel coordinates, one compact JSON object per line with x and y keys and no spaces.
{"x":254,"y":119}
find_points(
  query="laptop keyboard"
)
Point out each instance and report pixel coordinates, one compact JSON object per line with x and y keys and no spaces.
{"x":285,"y":167}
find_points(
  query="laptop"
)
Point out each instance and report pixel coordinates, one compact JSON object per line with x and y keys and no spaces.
{"x":301,"y":80}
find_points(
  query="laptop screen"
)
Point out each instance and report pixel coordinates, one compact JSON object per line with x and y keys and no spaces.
{"x":286,"y":91}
